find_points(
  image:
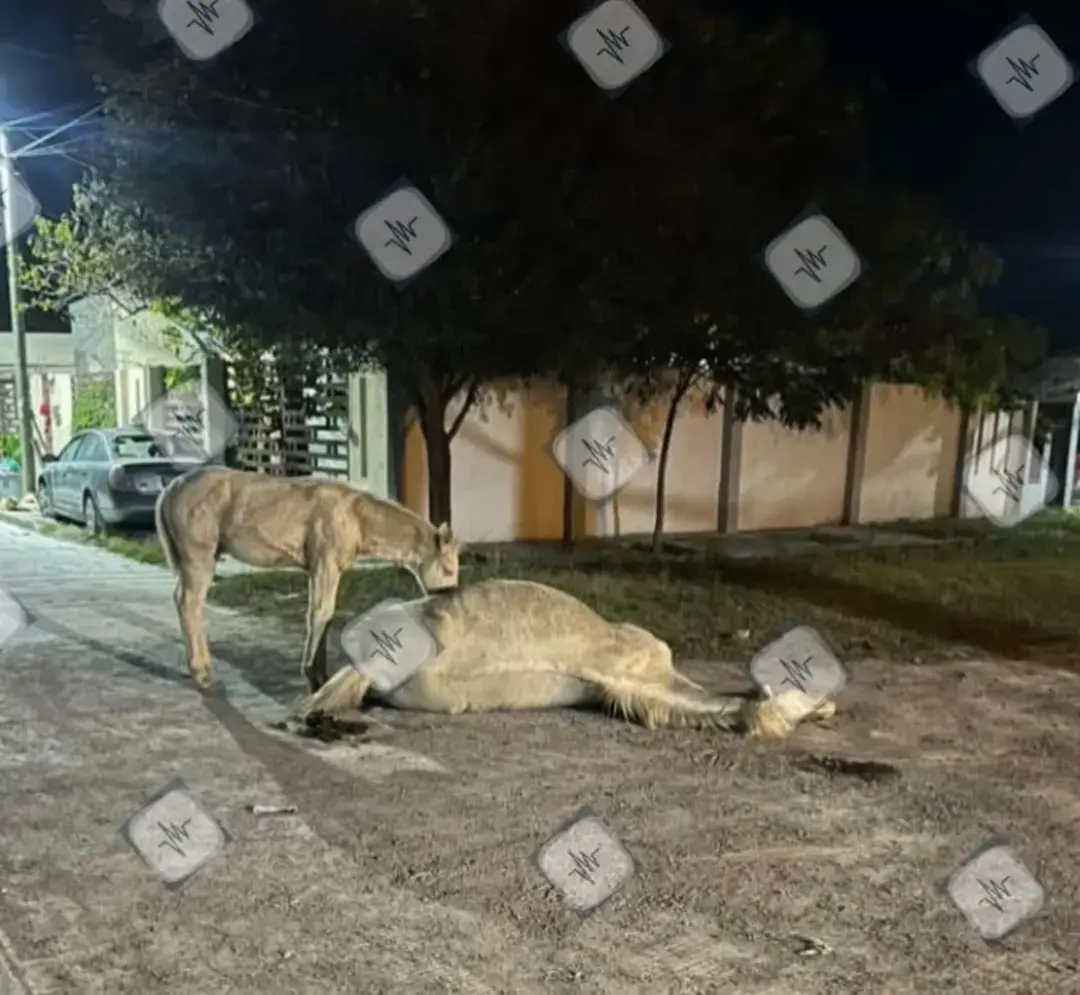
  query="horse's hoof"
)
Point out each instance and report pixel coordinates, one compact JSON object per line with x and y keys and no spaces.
{"x":203,"y":679}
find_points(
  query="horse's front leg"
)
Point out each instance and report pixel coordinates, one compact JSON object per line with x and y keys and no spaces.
{"x":323,"y":581}
{"x":193,"y":580}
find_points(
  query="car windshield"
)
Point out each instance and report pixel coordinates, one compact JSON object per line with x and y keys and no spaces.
{"x":138,"y":447}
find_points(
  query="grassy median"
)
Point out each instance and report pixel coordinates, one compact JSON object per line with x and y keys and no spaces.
{"x":982,"y":590}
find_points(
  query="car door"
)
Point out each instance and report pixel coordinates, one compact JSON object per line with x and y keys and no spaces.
{"x":60,"y":480}
{"x":87,"y":466}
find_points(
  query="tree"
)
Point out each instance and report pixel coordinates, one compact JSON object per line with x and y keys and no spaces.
{"x":94,"y":406}
{"x":587,"y":229}
{"x":913,"y":317}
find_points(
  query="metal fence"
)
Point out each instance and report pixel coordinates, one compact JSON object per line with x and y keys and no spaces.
{"x":293,"y":418}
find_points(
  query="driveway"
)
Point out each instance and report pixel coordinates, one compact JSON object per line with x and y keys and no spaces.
{"x":809,"y":866}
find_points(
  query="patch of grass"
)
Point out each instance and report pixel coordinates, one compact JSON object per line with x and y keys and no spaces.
{"x":1012,"y":593}
{"x":144,"y":550}
{"x":1009,"y":592}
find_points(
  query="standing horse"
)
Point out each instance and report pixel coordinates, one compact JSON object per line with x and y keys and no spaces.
{"x":319,"y":526}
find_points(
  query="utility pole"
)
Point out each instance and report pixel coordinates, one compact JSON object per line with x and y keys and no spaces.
{"x":24,"y":415}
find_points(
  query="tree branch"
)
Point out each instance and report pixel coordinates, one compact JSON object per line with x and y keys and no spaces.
{"x":470,"y":400}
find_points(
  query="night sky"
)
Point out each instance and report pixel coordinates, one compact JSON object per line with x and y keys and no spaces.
{"x":934,"y":129}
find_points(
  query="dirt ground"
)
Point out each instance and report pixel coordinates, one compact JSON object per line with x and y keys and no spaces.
{"x":743,"y":848}
{"x":420,"y":876}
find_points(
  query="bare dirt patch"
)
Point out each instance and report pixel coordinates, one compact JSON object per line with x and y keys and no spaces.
{"x":809,"y":866}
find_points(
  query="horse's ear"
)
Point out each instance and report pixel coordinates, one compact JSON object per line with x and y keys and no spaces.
{"x":442,"y":534}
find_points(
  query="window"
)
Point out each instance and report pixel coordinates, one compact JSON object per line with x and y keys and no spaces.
{"x":68,"y":453}
{"x":136,"y":447}
{"x":93,"y":450}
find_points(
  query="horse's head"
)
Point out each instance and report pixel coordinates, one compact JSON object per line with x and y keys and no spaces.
{"x":438,"y":560}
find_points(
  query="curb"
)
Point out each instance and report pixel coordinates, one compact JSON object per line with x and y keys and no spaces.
{"x":28,"y":521}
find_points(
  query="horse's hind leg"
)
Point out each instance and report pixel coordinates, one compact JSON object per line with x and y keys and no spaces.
{"x":323,"y":584}
{"x":193,"y":580}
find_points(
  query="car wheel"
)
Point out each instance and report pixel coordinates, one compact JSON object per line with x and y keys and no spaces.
{"x":92,"y":516}
{"x":43,"y":500}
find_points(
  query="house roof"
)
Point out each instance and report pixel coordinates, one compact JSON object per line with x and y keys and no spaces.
{"x":1056,"y":378}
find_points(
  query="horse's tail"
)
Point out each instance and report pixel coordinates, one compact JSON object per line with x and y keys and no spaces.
{"x":656,"y":705}
{"x":161,"y":523}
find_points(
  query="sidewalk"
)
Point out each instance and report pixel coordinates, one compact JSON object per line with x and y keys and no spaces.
{"x":97,"y":715}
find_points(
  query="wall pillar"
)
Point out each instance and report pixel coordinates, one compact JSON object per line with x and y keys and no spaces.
{"x":965,"y":443}
{"x":155,"y":392}
{"x":858,"y":434}
{"x":123,"y":415}
{"x":1070,"y":458}
{"x":213,"y":398}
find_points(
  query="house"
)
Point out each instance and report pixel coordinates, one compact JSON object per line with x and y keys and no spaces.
{"x":51,"y":365}
{"x":346,"y":439}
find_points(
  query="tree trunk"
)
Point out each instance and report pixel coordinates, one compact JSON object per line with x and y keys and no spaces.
{"x":661,"y":467}
{"x":432,"y":402}
{"x":437,"y":448}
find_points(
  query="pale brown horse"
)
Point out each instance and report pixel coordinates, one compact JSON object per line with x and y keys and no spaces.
{"x":514,"y":644}
{"x":318,"y":526}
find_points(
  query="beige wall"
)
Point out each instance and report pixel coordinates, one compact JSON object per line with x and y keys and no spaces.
{"x":791,"y":479}
{"x":693,"y":476}
{"x":506,"y":486}
{"x":909,"y":456}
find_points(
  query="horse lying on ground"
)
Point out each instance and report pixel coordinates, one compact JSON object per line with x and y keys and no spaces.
{"x":511,"y":644}
{"x":319,"y":526}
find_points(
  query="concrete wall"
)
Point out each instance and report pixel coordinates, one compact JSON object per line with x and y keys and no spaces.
{"x":900,"y":461}
{"x":132,"y":385}
{"x":790,"y":479}
{"x":695,"y":463}
{"x":909,"y":465}
{"x":504,"y":484}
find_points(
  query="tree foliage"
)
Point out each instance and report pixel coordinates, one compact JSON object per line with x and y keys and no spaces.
{"x":594,"y":237}
{"x":94,"y":406}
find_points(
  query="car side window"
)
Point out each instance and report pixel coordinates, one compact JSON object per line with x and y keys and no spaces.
{"x":70,"y":451}
{"x":93,"y":451}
